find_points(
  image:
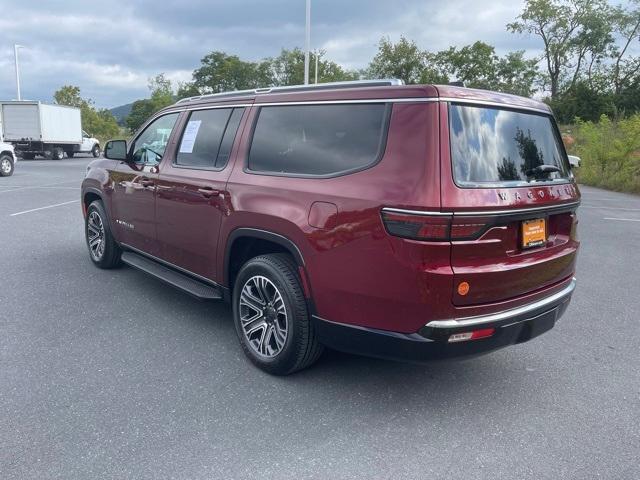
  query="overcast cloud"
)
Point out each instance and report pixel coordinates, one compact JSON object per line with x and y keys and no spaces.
{"x":110,"y":49}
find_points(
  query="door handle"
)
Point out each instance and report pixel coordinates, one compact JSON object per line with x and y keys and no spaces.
{"x":208,"y":192}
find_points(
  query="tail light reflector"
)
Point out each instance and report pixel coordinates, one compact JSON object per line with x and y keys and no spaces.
{"x":473,"y":335}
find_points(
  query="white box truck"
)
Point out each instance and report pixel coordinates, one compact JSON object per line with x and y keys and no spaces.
{"x":35,"y":128}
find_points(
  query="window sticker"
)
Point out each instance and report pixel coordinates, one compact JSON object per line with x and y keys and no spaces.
{"x":189,"y":136}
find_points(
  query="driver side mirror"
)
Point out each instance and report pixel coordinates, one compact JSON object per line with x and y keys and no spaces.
{"x":116,"y":150}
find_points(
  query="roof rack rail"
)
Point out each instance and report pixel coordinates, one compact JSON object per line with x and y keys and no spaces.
{"x":297,"y":88}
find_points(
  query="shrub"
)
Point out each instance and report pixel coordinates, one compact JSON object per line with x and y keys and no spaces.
{"x":610,"y":153}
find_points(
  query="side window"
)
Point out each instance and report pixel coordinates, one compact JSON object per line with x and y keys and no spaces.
{"x":149,"y":147}
{"x":318,"y":139}
{"x":207,"y":138}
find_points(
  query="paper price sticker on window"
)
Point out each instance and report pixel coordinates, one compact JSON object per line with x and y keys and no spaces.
{"x":189,"y":136}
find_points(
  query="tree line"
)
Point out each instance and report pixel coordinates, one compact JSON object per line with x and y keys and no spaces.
{"x":589,"y":64}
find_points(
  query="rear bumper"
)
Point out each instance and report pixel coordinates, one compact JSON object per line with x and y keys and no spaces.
{"x":431,"y":342}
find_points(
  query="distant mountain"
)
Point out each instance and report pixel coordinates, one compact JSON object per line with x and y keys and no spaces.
{"x":121,"y":112}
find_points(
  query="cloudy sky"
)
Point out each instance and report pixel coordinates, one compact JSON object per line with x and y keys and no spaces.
{"x":110,"y":48}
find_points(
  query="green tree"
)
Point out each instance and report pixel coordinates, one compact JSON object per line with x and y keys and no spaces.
{"x":478,"y":66}
{"x":517,"y":74}
{"x":288,"y":68}
{"x":574,"y":33}
{"x":187,"y":89}
{"x":161,"y":96}
{"x":475,"y":64}
{"x":403,"y":60}
{"x":69,"y":95}
{"x":99,"y":123}
{"x":584,"y":102}
{"x":220,"y":72}
{"x":626,"y":67}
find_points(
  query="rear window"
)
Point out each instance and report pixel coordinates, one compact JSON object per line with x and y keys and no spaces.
{"x":318,"y":139}
{"x":497,"y":146}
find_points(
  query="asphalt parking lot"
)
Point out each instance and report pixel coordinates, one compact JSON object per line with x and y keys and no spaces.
{"x":112,"y":374}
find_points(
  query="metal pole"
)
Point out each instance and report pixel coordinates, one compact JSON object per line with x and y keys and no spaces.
{"x":316,"y":54}
{"x":15,"y":53}
{"x":307,"y":43}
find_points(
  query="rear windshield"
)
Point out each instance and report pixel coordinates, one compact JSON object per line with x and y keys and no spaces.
{"x":496,"y":146}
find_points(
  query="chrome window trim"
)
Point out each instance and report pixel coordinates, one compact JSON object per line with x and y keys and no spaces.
{"x":417,"y":212}
{"x":506,"y":314}
{"x":519,"y":210}
{"x":181,"y":108}
{"x":354,"y":101}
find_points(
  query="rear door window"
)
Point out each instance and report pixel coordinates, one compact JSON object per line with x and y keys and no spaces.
{"x":498,"y":146}
{"x":319,"y":140}
{"x":208,"y":137}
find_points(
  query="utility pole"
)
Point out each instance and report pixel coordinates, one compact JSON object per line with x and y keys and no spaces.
{"x":15,"y":54}
{"x":316,"y":55}
{"x":307,"y":43}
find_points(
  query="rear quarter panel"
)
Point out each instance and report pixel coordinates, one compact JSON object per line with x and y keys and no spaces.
{"x":357,"y":273}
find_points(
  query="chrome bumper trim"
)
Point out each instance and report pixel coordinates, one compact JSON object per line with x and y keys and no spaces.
{"x":557,"y":297}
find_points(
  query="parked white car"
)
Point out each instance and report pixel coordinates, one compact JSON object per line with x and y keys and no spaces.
{"x":8,"y":159}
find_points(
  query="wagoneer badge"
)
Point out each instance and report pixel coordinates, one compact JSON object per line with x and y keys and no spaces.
{"x":554,"y":192}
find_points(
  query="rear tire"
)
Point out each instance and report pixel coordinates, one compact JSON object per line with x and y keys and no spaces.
{"x":69,"y":154}
{"x":271,"y":316}
{"x":103,"y":249}
{"x":57,"y":153}
{"x":95,"y":151}
{"x":6,"y":165}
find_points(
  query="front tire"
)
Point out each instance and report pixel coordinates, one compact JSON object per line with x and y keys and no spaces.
{"x":271,"y":316}
{"x":57,"y":153}
{"x":95,"y":151}
{"x":6,"y":165}
{"x":103,"y":249}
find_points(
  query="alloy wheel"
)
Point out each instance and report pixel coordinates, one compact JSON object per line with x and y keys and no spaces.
{"x":95,"y":236}
{"x":263,"y":316}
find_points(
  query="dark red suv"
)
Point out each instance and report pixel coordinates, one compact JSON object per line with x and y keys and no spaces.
{"x":399,"y":221}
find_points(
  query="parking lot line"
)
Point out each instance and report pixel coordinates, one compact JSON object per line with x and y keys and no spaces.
{"x":623,"y":219}
{"x":43,"y":208}
{"x":34,"y":186}
{"x":611,"y":208}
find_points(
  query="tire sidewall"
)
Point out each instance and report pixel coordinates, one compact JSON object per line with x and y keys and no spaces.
{"x":95,"y":151}
{"x":286,"y":359}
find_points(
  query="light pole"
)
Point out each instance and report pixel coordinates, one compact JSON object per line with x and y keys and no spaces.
{"x":307,"y":43}
{"x":15,"y":53}
{"x":315,"y":53}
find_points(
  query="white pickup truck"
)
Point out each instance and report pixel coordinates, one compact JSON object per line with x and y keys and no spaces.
{"x":7,"y":159}
{"x":35,"y":128}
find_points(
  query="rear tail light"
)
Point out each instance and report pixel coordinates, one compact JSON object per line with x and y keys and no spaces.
{"x":473,"y":335}
{"x":438,"y":228}
{"x":417,"y":227}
